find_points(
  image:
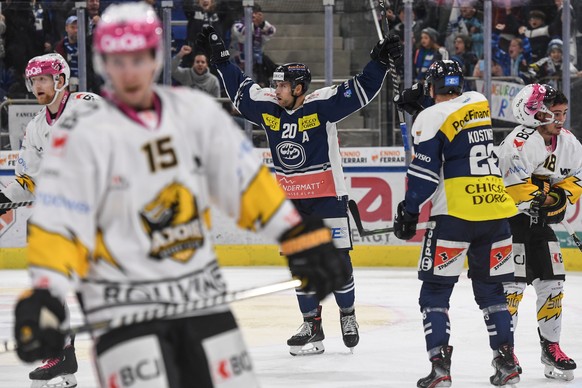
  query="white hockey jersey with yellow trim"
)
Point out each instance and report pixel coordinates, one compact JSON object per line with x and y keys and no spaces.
{"x":124,"y":209}
{"x":35,"y":141}
{"x":523,"y":153}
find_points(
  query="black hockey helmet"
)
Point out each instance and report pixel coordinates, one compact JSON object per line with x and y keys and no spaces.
{"x":295,"y":73}
{"x":446,"y":76}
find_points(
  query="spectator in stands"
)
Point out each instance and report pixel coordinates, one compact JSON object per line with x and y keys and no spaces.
{"x":67,"y":47}
{"x":469,"y":24}
{"x":548,"y":70}
{"x":516,"y":60}
{"x":540,"y":34}
{"x":3,"y":78}
{"x":428,"y":52}
{"x":496,"y":68}
{"x":464,"y":55}
{"x":198,"y":76}
{"x":93,"y":16}
{"x":40,"y":26}
{"x":20,"y":43}
{"x":263,"y":66}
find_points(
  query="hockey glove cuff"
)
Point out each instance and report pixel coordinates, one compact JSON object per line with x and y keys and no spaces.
{"x":555,"y":213}
{"x":404,"y":223}
{"x":212,"y":45}
{"x":388,"y":48}
{"x":314,"y":259}
{"x":38,"y":317}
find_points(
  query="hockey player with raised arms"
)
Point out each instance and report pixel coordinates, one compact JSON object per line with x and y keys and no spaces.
{"x":123,"y":213}
{"x":542,"y":169}
{"x":455,"y":168}
{"x":47,"y":77}
{"x":302,"y":134}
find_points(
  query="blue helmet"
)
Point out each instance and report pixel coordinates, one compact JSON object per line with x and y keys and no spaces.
{"x":446,"y":76}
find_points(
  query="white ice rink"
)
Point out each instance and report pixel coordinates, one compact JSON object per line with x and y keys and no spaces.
{"x":391,"y":352}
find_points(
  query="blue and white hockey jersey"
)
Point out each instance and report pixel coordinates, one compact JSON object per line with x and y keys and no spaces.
{"x":454,"y":162}
{"x":304,"y":141}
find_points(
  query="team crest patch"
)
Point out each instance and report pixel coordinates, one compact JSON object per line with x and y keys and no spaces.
{"x":172,"y":221}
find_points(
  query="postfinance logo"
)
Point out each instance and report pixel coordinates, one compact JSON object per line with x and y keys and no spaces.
{"x":272,"y":122}
{"x":309,"y":122}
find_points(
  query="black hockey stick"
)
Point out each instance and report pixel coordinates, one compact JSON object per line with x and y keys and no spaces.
{"x":169,"y":309}
{"x":572,"y":234}
{"x":384,"y":27}
{"x":14,"y":205}
{"x":365,"y":232}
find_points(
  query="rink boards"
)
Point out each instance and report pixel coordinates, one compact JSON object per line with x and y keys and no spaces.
{"x":375,"y":177}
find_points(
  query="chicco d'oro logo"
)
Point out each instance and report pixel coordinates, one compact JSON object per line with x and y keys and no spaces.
{"x":127,"y":42}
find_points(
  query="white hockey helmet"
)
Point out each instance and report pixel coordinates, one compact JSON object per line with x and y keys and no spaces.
{"x":126,"y":28}
{"x":49,"y":64}
{"x":531,"y":100}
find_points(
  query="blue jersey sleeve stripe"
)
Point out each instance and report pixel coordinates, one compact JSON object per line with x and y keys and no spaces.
{"x":423,"y":176}
{"x":425,"y":171}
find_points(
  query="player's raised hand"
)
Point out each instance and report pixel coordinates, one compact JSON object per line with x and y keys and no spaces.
{"x":388,"y":48}
{"x":212,"y":45}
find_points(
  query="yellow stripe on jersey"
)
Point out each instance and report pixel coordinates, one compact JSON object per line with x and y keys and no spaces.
{"x":261,"y":200}
{"x":207,"y":218}
{"x":26,"y":182}
{"x":102,"y":252}
{"x":478,"y":198}
{"x":469,"y":116}
{"x":523,"y":192}
{"x":572,"y":186}
{"x":64,"y":255}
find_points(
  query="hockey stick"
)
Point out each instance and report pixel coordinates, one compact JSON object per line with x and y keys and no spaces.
{"x":14,"y":205}
{"x":572,"y":234}
{"x":395,"y":86}
{"x":365,"y":232}
{"x":170,"y":309}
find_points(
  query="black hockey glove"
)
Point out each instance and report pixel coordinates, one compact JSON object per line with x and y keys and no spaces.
{"x":3,"y":199}
{"x":37,"y":320}
{"x":313,"y":257}
{"x":540,"y":195}
{"x":389,"y":47}
{"x":404,"y":223}
{"x":212,"y":45}
{"x":410,"y":100}
{"x":555,"y":213}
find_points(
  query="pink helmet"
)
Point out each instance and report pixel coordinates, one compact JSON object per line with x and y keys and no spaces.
{"x":49,"y":64}
{"x":531,"y":100}
{"x":125,"y":28}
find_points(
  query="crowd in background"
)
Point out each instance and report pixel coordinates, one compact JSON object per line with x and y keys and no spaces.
{"x":526,"y":46}
{"x":526,"y":40}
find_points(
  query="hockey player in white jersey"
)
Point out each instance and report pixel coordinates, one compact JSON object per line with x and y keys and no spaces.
{"x":47,"y":77}
{"x":542,"y":169}
{"x":123,"y":210}
{"x":455,"y":169}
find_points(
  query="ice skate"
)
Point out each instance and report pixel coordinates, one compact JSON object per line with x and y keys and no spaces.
{"x":308,"y":339}
{"x":557,"y":365}
{"x":349,"y":327}
{"x":516,"y":360}
{"x":505,"y":367}
{"x":56,"y":372}
{"x":440,"y":374}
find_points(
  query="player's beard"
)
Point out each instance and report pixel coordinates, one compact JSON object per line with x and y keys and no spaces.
{"x":46,"y":98}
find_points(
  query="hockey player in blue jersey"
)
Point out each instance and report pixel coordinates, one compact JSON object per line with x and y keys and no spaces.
{"x":454,"y":167}
{"x":302,"y":134}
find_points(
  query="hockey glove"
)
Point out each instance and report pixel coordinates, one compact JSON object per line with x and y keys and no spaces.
{"x":389,"y":47}
{"x":313,"y":258}
{"x":410,"y":100}
{"x":404,"y":223}
{"x":554,"y":213}
{"x":212,"y":45}
{"x":37,"y":325}
{"x":539,"y":197}
{"x":4,"y":199}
